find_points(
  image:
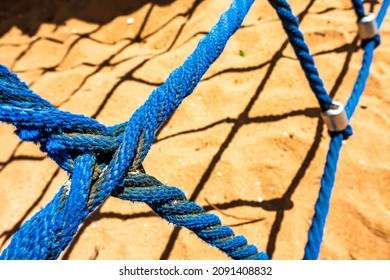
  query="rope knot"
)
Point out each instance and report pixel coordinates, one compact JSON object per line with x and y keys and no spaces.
{"x":62,"y":135}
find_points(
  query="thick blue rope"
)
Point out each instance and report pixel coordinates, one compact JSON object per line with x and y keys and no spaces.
{"x":291,"y":25}
{"x":316,"y":231}
{"x":103,"y":161}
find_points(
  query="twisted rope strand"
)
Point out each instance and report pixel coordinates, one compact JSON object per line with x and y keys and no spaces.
{"x":321,"y":208}
{"x":364,"y":71}
{"x":171,"y":204}
{"x":291,"y":25}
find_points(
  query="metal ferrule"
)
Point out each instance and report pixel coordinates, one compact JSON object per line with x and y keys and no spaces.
{"x":335,"y":117}
{"x":367,"y":26}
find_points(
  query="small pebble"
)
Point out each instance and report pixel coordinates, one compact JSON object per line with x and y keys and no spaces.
{"x":219,"y":174}
{"x":130,"y":21}
{"x":260,"y":199}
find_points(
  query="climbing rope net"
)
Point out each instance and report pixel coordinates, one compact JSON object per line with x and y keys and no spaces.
{"x":105,"y":161}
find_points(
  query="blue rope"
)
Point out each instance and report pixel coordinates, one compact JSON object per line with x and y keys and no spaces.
{"x":359,"y":8}
{"x":291,"y":26}
{"x":316,"y":231}
{"x":382,"y":13}
{"x":104,"y":161}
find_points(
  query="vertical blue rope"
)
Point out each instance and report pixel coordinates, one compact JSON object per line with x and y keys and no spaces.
{"x":291,"y":25}
{"x":316,"y":231}
{"x":321,"y":208}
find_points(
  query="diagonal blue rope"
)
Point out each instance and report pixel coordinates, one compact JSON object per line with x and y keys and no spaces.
{"x":359,"y":8}
{"x":291,"y":25}
{"x":316,"y":231}
{"x":382,"y":13}
{"x":105,"y":161}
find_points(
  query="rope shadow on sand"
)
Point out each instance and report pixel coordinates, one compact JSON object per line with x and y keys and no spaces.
{"x":29,"y":15}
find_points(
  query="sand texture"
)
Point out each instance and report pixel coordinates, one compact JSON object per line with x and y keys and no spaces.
{"x":248,"y":144}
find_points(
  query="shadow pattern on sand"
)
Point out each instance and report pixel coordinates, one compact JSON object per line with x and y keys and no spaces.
{"x":28,"y":15}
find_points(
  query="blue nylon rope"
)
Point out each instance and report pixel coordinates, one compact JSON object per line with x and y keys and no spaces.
{"x":291,"y":25}
{"x":359,"y":8}
{"x":77,"y":143}
{"x":315,"y":235}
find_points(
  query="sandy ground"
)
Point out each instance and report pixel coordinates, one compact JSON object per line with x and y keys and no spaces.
{"x":247,"y":144}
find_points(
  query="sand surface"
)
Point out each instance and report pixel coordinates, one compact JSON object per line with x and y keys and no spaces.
{"x":248,"y":144}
